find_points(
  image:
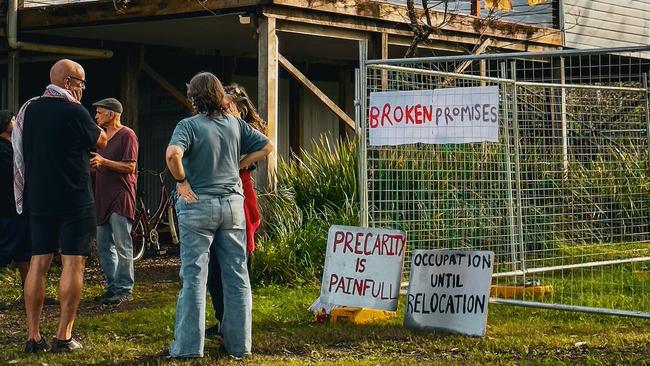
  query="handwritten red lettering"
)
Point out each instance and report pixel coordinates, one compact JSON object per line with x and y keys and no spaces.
{"x":397,"y":117}
{"x":385,"y":115}
{"x":418,"y":114}
{"x":362,"y":287}
{"x":360,"y":266}
{"x":333,"y":280}
{"x":409,"y":114}
{"x":373,"y":119}
{"x":358,"y":244}
{"x":428,"y":113}
{"x":368,"y":244}
{"x":338,"y":239}
{"x":348,"y":242}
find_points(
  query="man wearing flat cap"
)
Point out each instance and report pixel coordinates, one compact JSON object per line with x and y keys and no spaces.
{"x":115,"y":182}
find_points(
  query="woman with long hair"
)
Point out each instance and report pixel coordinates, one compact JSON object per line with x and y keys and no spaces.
{"x":239,"y":105}
{"x":204,"y":156}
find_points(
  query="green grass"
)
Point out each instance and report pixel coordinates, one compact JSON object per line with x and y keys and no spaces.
{"x":285,"y":333}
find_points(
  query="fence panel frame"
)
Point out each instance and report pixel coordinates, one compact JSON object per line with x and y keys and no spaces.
{"x":508,"y":90}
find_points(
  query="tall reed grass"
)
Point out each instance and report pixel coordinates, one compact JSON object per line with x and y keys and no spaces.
{"x":314,"y":191}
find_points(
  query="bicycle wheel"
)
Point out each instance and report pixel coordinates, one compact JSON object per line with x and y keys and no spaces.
{"x":139,"y":238}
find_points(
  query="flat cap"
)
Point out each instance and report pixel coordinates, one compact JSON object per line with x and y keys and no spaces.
{"x":111,"y":104}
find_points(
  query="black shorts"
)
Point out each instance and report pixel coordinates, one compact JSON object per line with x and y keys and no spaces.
{"x":15,"y":240}
{"x":72,"y":232}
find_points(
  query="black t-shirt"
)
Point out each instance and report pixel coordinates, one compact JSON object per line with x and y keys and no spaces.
{"x":57,"y":138}
{"x":7,"y":203}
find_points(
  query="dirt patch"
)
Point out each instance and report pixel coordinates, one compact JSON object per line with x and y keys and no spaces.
{"x":157,"y":269}
{"x":151,"y":274}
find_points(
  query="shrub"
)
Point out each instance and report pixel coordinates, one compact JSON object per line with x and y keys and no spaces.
{"x":325,"y":177}
{"x":314,"y":192}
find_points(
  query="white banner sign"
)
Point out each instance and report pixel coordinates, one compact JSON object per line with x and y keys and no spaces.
{"x":363,"y":267}
{"x":440,"y":116}
{"x":449,"y":291}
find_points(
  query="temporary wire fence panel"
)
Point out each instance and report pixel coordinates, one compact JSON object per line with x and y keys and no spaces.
{"x":562,"y":198}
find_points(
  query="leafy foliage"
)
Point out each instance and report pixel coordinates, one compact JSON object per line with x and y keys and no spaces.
{"x":326,"y":177}
{"x":315,"y":191}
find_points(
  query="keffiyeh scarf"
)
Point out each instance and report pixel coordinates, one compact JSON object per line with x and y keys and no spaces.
{"x":52,"y":91}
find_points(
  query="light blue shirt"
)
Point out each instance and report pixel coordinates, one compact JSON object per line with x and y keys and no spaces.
{"x":212,"y":149}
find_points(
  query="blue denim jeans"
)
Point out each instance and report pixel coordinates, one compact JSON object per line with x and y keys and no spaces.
{"x":215,"y":287}
{"x":218,"y":221}
{"x":115,"y":252}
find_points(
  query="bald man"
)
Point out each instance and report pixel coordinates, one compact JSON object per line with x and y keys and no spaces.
{"x":55,"y":137}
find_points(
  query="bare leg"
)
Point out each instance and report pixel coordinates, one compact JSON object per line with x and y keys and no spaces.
{"x":35,"y":293}
{"x":23,"y":267}
{"x":70,"y":286}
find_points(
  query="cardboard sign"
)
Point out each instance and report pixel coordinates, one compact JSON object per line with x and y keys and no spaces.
{"x":449,"y":291}
{"x":440,"y":116}
{"x":363,"y":267}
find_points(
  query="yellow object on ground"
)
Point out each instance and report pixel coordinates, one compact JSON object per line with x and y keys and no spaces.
{"x":641,"y":272}
{"x":514,"y":291}
{"x":360,"y":315}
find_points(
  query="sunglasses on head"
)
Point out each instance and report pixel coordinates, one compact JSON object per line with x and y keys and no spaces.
{"x":236,"y":92}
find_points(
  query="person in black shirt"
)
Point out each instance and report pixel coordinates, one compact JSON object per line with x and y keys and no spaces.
{"x":57,"y":136}
{"x":15,"y":240}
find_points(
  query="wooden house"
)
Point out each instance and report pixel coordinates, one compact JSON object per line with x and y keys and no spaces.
{"x":296,"y":58}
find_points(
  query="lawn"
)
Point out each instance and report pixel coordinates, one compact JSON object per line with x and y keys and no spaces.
{"x":285,"y":333}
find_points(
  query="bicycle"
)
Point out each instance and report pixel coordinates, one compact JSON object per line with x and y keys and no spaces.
{"x":145,"y":229}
